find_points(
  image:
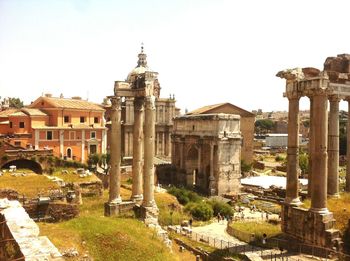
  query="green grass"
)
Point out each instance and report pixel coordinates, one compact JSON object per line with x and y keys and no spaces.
{"x":30,"y":185}
{"x":258,"y":229}
{"x":107,"y":238}
{"x":71,"y":177}
{"x":340,"y":209}
{"x":170,"y":211}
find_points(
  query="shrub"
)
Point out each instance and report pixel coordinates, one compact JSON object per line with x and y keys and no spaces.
{"x":184,"y":196}
{"x":279,"y":158}
{"x":221,"y":207}
{"x":200,"y":211}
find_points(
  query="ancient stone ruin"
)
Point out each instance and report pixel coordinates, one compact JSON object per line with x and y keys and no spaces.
{"x":19,"y":237}
{"x":142,"y":85}
{"x":206,"y":152}
{"x":316,"y":225}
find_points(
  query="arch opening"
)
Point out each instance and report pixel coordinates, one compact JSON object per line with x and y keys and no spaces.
{"x":24,"y":164}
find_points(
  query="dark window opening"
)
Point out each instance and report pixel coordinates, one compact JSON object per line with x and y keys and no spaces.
{"x":192,"y":127}
{"x":11,"y":124}
{"x":82,"y":119}
{"x":95,"y":119}
{"x":49,"y":135}
{"x":17,"y":143}
{"x":66,"y":119}
{"x":21,"y":124}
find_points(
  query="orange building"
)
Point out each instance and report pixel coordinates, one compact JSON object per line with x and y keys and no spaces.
{"x":72,"y":128}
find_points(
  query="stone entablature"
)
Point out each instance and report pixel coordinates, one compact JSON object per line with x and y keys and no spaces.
{"x":221,"y":125}
{"x":206,"y":152}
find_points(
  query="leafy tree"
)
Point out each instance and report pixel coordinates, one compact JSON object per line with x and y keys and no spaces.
{"x":15,"y":103}
{"x":200,"y":211}
{"x":304,"y":162}
{"x":264,"y":126}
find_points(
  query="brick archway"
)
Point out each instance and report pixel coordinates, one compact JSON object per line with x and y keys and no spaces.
{"x":24,"y":163}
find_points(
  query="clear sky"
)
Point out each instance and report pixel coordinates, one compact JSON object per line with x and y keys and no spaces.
{"x":206,"y":52}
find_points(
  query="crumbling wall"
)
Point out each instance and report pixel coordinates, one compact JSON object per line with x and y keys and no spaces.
{"x":20,"y":238}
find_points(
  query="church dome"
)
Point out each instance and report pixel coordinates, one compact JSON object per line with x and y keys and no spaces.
{"x":140,"y":68}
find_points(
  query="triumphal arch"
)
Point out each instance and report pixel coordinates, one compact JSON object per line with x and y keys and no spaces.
{"x":316,"y":224}
{"x":142,"y":85}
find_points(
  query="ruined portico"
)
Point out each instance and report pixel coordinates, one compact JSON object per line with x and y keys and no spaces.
{"x":142,"y":85}
{"x":316,"y":225}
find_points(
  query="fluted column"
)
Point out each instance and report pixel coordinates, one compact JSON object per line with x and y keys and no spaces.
{"x":319,"y":159}
{"x":292,"y":188}
{"x":115,"y":150}
{"x":148,"y":167}
{"x":347,"y":184}
{"x":333,"y":148}
{"x":137,"y":149}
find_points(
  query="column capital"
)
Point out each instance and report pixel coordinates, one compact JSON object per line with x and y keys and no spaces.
{"x":334,"y":98}
{"x":116,"y":104}
{"x":293,"y":95}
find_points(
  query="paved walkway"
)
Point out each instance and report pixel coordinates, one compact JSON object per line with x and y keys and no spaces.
{"x":215,"y":235}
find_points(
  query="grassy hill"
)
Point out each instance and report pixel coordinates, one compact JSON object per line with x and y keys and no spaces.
{"x":107,"y":238}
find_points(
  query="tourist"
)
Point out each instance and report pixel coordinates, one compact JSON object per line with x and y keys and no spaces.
{"x":219,"y":217}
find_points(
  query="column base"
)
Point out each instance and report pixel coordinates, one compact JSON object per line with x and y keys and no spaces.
{"x":293,"y":201}
{"x":336,"y":195}
{"x":319,"y":210}
{"x":115,"y":209}
{"x":117,"y":200}
{"x":137,"y":198}
{"x":111,"y":209}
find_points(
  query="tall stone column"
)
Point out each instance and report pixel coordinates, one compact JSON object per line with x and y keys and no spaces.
{"x":115,"y":150}
{"x":333,"y":148}
{"x":148,"y":167}
{"x":319,"y":159}
{"x":292,"y":191}
{"x":212,"y":189}
{"x":137,"y":150}
{"x":347,"y":184}
{"x":169,"y":144}
{"x":311,"y":148}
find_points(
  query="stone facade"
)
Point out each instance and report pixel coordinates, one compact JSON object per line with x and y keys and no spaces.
{"x":206,"y":152}
{"x":247,"y":125}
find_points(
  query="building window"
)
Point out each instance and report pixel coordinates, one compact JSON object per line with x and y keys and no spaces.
{"x":95,"y":119}
{"x":72,"y":135}
{"x":82,"y":119}
{"x":21,"y":124}
{"x":66,"y":119}
{"x":93,"y":149}
{"x":17,"y":143}
{"x":69,"y":153}
{"x":93,"y":135}
{"x":49,"y":135}
{"x":11,"y":124}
